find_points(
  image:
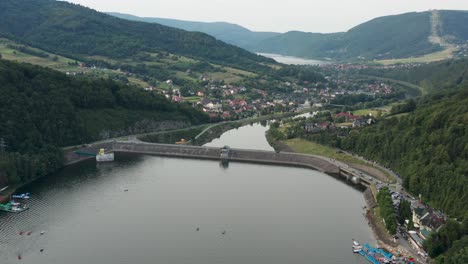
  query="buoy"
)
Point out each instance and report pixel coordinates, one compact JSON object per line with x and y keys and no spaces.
{"x":198,"y":229}
{"x":224,"y":232}
{"x":42,"y":250}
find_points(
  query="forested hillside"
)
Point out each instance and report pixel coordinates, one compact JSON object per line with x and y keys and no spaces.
{"x":384,"y":37}
{"x":432,"y":77}
{"x":227,"y":32}
{"x":454,"y":25}
{"x":43,"y":110}
{"x":77,"y":31}
{"x":428,"y":147}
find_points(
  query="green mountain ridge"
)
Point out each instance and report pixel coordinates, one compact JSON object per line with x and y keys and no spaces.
{"x":227,"y":32}
{"x":76,"y":31}
{"x":388,"y":37}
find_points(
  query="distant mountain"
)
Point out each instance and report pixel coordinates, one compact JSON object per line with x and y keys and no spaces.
{"x":227,"y":32}
{"x":76,"y":31}
{"x":454,"y":26}
{"x":385,"y":37}
{"x":397,"y":36}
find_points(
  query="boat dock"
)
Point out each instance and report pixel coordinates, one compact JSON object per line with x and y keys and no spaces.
{"x":373,"y":255}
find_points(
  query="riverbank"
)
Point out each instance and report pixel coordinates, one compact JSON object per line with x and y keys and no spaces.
{"x":382,"y":236}
{"x":307,"y":147}
{"x":384,"y":239}
{"x":371,"y":214}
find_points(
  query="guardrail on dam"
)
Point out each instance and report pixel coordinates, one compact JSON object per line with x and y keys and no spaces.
{"x":231,"y":154}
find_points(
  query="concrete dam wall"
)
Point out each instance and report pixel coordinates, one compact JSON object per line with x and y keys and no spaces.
{"x":210,"y":153}
{"x":240,"y":155}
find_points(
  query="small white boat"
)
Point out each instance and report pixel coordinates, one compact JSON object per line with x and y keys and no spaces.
{"x":21,"y":196}
{"x":355,"y":243}
{"x":18,"y":209}
{"x":355,"y":250}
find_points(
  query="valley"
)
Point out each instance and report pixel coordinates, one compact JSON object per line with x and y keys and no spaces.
{"x":384,"y":104}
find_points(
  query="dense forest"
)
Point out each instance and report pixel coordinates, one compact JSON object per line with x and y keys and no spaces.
{"x":396,"y":36}
{"x":386,"y":211}
{"x":428,"y":147}
{"x":76,"y":31}
{"x":44,"y":110}
{"x":432,"y":77}
{"x":454,"y":26}
{"x":451,"y":238}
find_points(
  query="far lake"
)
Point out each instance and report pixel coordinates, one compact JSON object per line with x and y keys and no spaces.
{"x":293,"y":60}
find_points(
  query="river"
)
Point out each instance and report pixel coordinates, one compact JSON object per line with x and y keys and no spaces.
{"x":293,"y":60}
{"x":246,"y":213}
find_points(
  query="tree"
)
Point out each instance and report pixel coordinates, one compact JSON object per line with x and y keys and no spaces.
{"x":404,"y":211}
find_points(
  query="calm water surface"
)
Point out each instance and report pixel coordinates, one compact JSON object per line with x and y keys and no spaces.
{"x":293,"y":60}
{"x":269,"y":215}
{"x":246,"y":137}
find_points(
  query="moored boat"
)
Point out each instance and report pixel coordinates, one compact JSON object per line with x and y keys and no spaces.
{"x":357,"y":249}
{"x":21,"y":196}
{"x":356,"y":243}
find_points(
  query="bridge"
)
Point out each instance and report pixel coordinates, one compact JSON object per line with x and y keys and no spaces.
{"x":314,"y":162}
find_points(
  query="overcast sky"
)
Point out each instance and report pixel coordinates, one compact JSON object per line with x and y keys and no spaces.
{"x":274,"y":15}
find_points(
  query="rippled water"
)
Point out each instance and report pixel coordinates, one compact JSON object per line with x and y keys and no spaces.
{"x":268,"y":214}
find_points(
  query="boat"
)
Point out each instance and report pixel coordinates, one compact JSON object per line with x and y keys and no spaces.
{"x":357,"y":249}
{"x":19,"y":209}
{"x":102,"y":156}
{"x":15,"y":203}
{"x":9,"y":207}
{"x":21,"y":196}
{"x":355,"y":243}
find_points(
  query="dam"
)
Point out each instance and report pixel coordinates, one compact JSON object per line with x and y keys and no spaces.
{"x":215,"y":153}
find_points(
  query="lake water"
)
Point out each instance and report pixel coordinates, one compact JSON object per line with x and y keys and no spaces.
{"x":247,"y":137}
{"x":293,"y":60}
{"x":268,"y":214}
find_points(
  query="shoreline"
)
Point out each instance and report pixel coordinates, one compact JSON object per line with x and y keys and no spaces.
{"x":382,"y":238}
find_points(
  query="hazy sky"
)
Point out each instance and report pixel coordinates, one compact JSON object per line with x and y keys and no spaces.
{"x":274,"y":15}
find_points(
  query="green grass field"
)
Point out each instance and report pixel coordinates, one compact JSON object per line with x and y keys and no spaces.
{"x":432,"y":57}
{"x":64,"y":64}
{"x":308,"y":147}
{"x":363,"y":112}
{"x":193,"y":99}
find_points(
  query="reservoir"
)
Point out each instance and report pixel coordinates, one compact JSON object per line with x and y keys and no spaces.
{"x":245,"y":213}
{"x":293,"y":60}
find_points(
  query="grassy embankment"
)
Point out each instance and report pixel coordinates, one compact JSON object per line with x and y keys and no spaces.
{"x":307,"y":147}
